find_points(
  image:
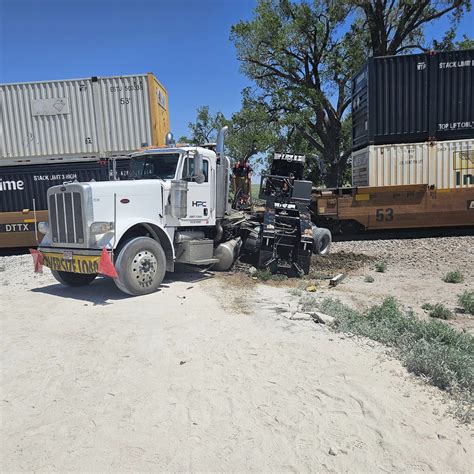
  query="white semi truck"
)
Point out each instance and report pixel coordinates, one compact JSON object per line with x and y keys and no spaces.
{"x":174,"y":208}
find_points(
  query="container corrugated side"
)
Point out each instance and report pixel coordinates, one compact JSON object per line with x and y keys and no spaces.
{"x":82,"y":119}
{"x":398,"y":99}
{"x":414,"y":98}
{"x":452,"y":95}
{"x":19,"y":185}
{"x":446,"y":165}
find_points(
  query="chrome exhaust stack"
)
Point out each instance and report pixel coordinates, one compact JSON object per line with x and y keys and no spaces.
{"x":222,"y":176}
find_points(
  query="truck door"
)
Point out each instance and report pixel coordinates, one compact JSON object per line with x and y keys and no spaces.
{"x":200,"y":211}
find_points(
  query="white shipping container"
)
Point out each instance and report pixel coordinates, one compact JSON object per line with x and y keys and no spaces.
{"x":81,"y":119}
{"x":446,"y":165}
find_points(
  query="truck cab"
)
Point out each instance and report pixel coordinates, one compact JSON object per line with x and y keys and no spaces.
{"x":169,"y":210}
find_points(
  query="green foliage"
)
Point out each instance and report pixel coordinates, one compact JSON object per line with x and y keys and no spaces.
{"x":431,"y":349}
{"x":466,"y":301}
{"x":301,"y":56}
{"x":263,"y":275}
{"x":307,"y":304}
{"x":398,"y":27}
{"x":206,"y":126}
{"x":438,"y":311}
{"x":453,"y":277}
{"x":380,"y":267}
{"x":251,"y":132}
{"x":465,"y":43}
{"x":301,"y":65}
{"x":369,"y":279}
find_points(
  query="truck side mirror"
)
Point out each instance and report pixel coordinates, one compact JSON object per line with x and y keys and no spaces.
{"x":198,"y":169}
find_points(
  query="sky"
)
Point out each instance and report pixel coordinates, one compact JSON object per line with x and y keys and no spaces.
{"x":185,"y":43}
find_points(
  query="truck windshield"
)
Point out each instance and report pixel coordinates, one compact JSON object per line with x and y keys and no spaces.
{"x":155,"y":165}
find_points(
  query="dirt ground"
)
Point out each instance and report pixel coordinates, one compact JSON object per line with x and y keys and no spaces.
{"x":414,"y":274}
{"x":207,"y":375}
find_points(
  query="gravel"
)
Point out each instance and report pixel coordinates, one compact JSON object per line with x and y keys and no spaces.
{"x":444,"y":253}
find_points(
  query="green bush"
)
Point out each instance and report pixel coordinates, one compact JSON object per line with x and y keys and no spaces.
{"x":307,"y":303}
{"x":453,"y":277}
{"x":438,"y":311}
{"x":466,"y":301}
{"x":263,"y":275}
{"x":428,"y":348}
{"x":369,"y":279}
{"x":380,"y":267}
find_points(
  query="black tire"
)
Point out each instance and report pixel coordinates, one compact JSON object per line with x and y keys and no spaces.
{"x":73,"y":279}
{"x":322,"y":240}
{"x":141,"y":266}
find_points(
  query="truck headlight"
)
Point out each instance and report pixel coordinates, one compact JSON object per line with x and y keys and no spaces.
{"x":43,"y":227}
{"x":101,"y":227}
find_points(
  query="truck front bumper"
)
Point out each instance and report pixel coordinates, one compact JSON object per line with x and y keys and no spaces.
{"x":70,"y":260}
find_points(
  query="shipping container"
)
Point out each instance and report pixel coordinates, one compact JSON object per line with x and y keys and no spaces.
{"x":445,"y":165}
{"x":23,"y":194}
{"x":81,"y":119}
{"x":414,"y":98}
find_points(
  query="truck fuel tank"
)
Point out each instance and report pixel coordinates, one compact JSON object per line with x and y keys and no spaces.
{"x":227,"y":252}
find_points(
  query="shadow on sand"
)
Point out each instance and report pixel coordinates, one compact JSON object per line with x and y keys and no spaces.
{"x":102,"y":291}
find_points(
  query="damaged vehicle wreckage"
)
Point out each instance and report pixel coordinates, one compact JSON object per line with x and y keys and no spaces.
{"x":174,"y":208}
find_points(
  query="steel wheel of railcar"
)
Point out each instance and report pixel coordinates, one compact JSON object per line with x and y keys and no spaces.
{"x":141,"y":266}
{"x":73,"y":279}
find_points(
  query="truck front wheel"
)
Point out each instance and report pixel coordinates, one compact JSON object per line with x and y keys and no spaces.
{"x":141,"y":266}
{"x":73,"y":279}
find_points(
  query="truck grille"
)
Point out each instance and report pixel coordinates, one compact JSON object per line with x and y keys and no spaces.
{"x":65,"y":217}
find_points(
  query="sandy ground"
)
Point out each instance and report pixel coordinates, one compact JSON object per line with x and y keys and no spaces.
{"x":192,"y":379}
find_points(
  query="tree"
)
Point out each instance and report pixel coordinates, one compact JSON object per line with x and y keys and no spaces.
{"x":302,"y":65}
{"x":206,"y":126}
{"x":250,"y":130}
{"x":448,"y":43}
{"x":397,"y":26}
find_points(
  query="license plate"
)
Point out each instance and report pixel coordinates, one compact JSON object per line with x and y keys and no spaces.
{"x":67,"y":262}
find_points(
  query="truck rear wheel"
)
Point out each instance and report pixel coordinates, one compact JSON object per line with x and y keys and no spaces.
{"x":73,"y":279}
{"x":141,"y":266}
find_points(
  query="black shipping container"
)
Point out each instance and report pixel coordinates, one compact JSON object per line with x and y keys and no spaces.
{"x":19,"y":185}
{"x":413,"y":98}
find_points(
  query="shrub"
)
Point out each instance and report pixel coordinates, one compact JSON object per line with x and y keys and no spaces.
{"x":295,"y":292}
{"x":438,"y":311}
{"x":453,"y":277}
{"x":263,"y":275}
{"x":369,"y":279}
{"x":428,"y":348}
{"x":307,"y":303}
{"x":466,"y":301}
{"x":380,"y":267}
